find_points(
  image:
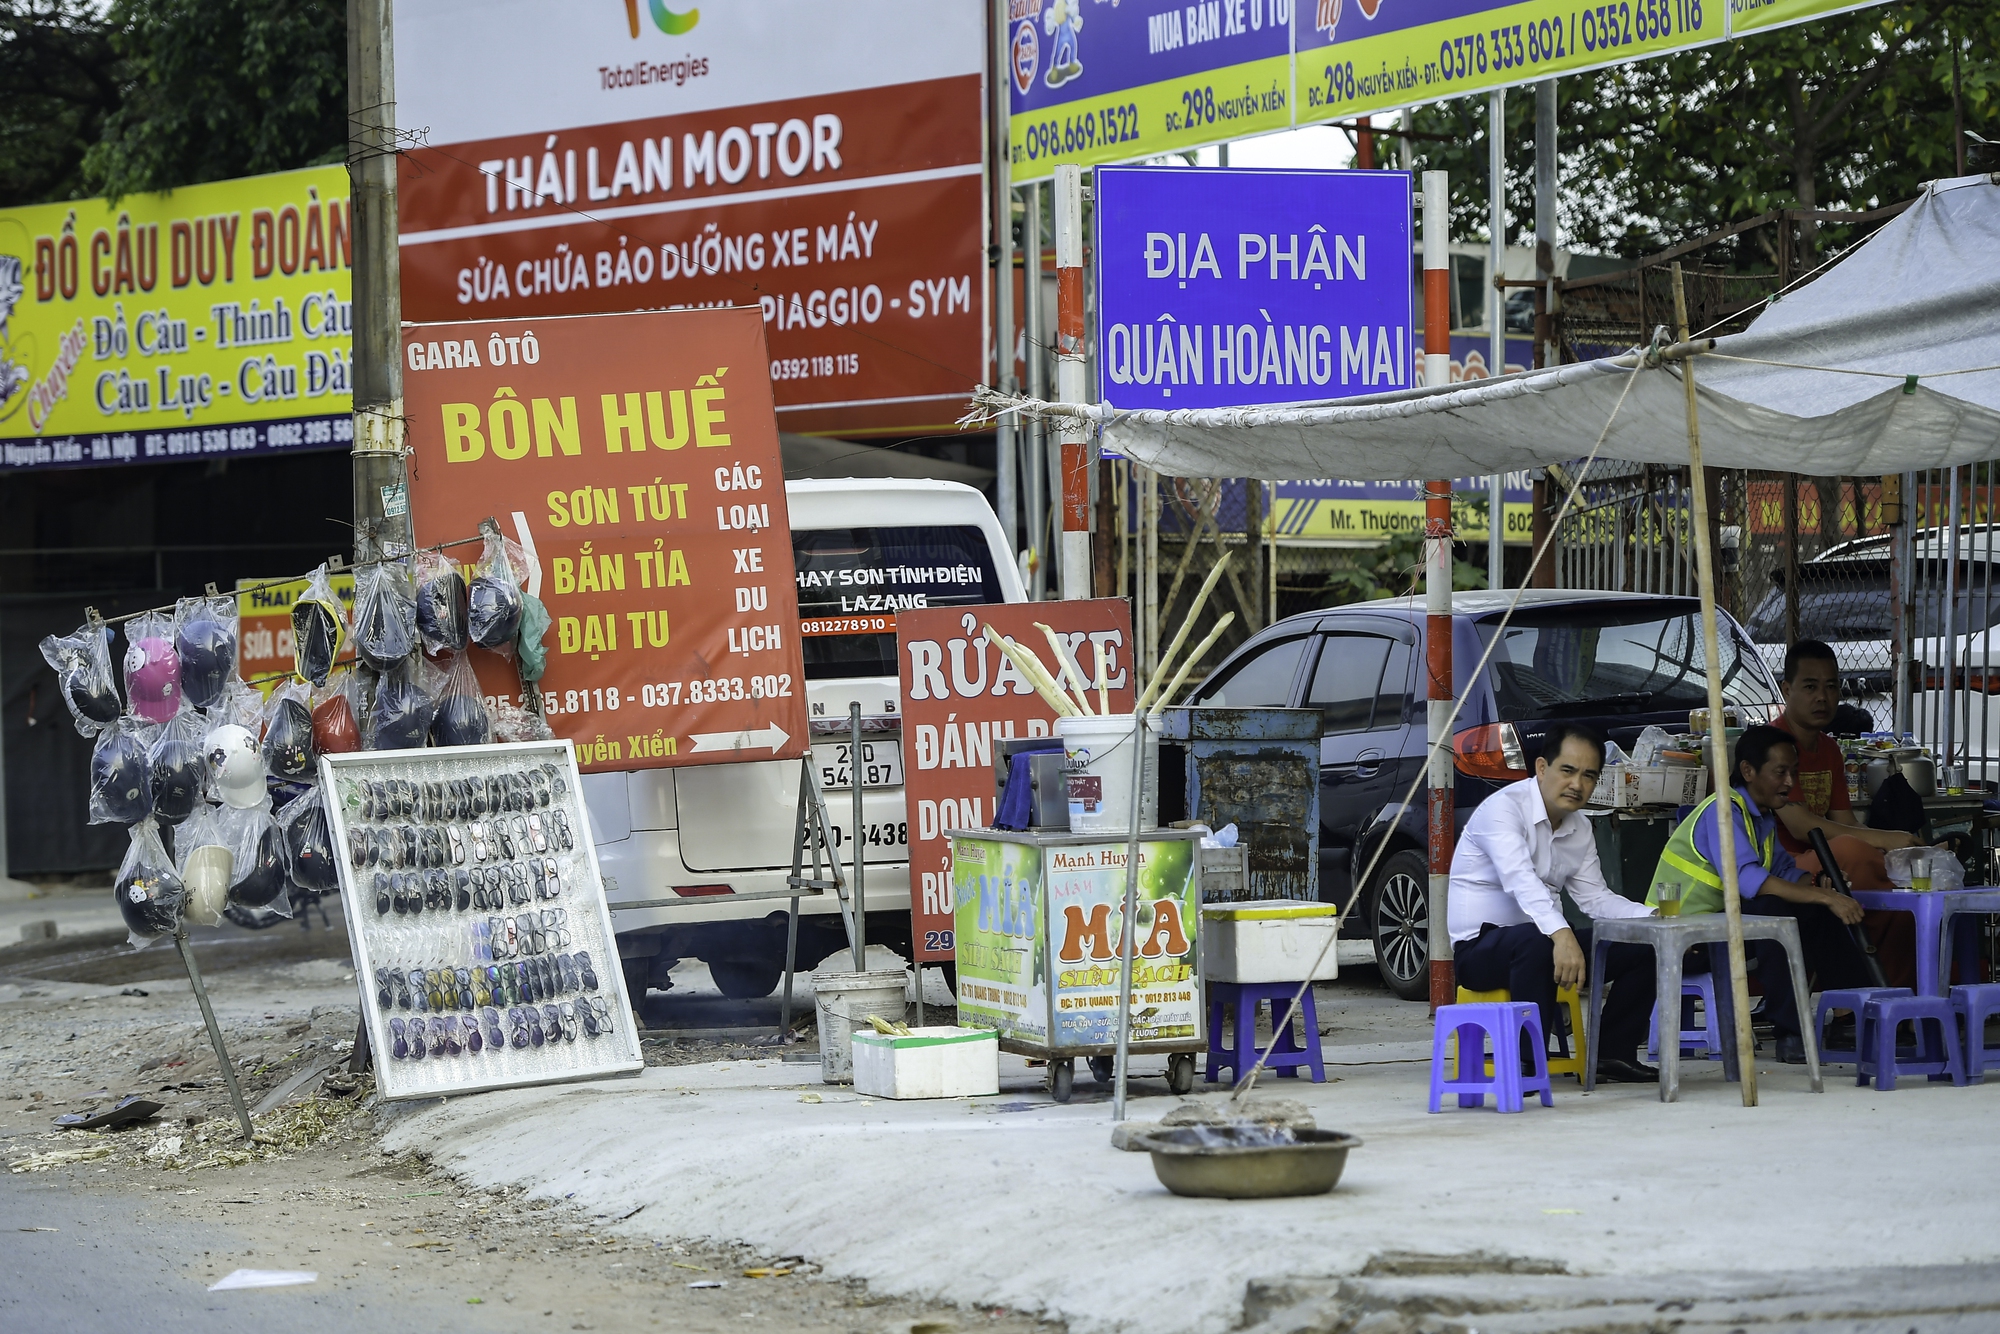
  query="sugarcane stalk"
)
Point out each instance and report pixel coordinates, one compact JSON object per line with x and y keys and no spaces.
{"x":1038,"y":676}
{"x":1180,"y":636}
{"x":1195,"y":657}
{"x":1070,"y":669}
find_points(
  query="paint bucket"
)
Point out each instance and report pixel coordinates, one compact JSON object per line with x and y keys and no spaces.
{"x":1097,"y":754}
{"x":843,"y":1002}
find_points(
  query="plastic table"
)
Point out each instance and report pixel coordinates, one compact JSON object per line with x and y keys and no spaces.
{"x":1933,"y":911}
{"x":1672,"y":937}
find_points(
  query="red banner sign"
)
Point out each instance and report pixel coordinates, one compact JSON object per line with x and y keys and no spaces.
{"x":961,"y":699}
{"x":635,"y":460}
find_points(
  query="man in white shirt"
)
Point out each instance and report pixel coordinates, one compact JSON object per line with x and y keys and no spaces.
{"x":1523,"y":848}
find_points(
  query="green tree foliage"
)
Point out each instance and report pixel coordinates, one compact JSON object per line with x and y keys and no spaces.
{"x":153,"y":94}
{"x":1849,"y":112}
{"x":58,"y":84}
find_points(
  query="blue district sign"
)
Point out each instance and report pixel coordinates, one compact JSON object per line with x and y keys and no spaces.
{"x":1237,"y":287}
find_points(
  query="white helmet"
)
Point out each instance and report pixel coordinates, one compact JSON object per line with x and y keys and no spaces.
{"x":238,"y":765}
{"x":206,"y":874}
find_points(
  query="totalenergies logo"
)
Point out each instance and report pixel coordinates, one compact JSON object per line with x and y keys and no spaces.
{"x":664,"y":19}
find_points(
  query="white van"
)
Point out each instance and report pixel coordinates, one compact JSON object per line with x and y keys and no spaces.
{"x":698,"y":833}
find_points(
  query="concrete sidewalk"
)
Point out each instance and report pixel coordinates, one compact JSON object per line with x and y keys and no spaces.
{"x":1014,"y":1201}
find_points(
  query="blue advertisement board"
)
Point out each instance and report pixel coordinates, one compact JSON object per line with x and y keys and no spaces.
{"x":1228,"y":288}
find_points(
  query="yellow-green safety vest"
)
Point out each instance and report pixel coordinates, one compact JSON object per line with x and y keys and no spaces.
{"x":1701,"y":883}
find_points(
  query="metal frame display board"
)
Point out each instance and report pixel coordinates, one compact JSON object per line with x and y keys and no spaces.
{"x":1038,"y":941}
{"x":440,"y":877}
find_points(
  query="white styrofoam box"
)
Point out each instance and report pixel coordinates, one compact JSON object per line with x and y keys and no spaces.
{"x":937,"y":1062}
{"x":1627,"y":785}
{"x":1269,"y":942}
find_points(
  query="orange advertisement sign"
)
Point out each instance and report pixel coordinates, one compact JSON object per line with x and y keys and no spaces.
{"x":961,"y":699}
{"x":635,"y":460}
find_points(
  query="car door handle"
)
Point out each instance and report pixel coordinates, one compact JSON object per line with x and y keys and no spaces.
{"x":1365,"y":763}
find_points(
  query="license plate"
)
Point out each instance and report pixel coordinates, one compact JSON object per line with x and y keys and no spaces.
{"x":881,"y":764}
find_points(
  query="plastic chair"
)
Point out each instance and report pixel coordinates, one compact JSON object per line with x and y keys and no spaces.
{"x":1974,"y":1005}
{"x":1855,"y":1001}
{"x":1936,"y":1053}
{"x":1704,"y":1041}
{"x":1578,"y":1047}
{"x":1468,"y":1027}
{"x":1288,"y":1055}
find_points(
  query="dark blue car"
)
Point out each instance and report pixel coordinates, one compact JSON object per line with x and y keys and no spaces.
{"x":1620,"y":661}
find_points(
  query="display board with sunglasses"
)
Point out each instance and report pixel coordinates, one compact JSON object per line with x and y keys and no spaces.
{"x":482,"y":941}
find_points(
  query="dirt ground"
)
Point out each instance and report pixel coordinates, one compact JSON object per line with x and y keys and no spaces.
{"x":85,"y":1021}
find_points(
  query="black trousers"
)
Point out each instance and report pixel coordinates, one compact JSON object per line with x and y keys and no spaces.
{"x":1522,"y":959}
{"x":1833,"y":960}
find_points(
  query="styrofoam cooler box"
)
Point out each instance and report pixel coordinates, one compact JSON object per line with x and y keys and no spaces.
{"x":1269,"y":942}
{"x":1627,"y":785}
{"x":937,"y":1062}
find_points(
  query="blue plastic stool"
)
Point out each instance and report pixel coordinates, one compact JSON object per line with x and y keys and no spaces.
{"x":1936,"y":1054}
{"x":1705,"y":1041}
{"x":1470,"y":1026}
{"x":1288,"y":1055}
{"x":1974,"y":1004}
{"x":1855,"y":1001}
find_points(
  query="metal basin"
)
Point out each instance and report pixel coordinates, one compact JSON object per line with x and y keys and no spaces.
{"x":1247,"y":1162}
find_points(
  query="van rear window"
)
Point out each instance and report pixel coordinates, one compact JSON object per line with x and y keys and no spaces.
{"x":853,"y":581}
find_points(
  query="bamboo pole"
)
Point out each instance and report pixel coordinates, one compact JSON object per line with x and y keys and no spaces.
{"x":1718,"y":735}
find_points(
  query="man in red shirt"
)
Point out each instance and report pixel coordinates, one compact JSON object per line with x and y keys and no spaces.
{"x":1811,"y":686}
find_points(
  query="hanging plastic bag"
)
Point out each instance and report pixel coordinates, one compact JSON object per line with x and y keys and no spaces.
{"x":149,"y":893}
{"x":405,"y":704}
{"x":319,"y":628}
{"x":336,"y":726}
{"x":493,"y":599}
{"x":121,"y":787}
{"x":152,"y":668}
{"x":441,"y":609}
{"x":461,"y":718}
{"x":533,"y":654}
{"x":177,"y":765}
{"x":385,"y":615}
{"x":205,"y":641}
{"x":240,"y":704}
{"x":205,"y":860}
{"x":309,"y":844}
{"x":263,"y":867}
{"x":288,"y":733}
{"x":82,"y":664}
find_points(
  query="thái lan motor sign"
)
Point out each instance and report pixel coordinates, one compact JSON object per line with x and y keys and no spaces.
{"x":635,"y":460}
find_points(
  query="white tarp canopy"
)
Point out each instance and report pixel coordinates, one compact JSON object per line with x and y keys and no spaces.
{"x":1921,"y":297}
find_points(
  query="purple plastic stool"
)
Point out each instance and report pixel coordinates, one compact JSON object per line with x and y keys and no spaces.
{"x":1504,"y":1022}
{"x":1855,"y":1001}
{"x":1704,"y":1041}
{"x":1936,"y":1028}
{"x":1287,"y":1055}
{"x":1974,"y":1004}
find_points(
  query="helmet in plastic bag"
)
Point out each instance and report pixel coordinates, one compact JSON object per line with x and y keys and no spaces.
{"x":94,"y":697}
{"x":288,"y":741}
{"x":176,"y":773}
{"x":311,"y":847}
{"x":266,"y":878}
{"x":207,"y":649}
{"x":403,"y":712}
{"x":461,"y":721}
{"x":385,"y":629}
{"x":316,"y":639}
{"x":441,"y":610}
{"x":334,"y":730}
{"x":237,"y":764}
{"x":493,"y":611}
{"x":152,"y":674}
{"x":120,"y":780}
{"x":150,"y":899}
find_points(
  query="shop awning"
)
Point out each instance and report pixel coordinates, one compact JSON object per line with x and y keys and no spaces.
{"x":1920,"y":299}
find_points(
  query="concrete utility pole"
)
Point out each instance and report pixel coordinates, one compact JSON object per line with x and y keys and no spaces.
{"x":1004,"y":446}
{"x":381,"y":477}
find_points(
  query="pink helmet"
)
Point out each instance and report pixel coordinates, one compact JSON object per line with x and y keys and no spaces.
{"x":152,"y":677}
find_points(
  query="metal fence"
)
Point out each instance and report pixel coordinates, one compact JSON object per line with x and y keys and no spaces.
{"x":1630,"y":530}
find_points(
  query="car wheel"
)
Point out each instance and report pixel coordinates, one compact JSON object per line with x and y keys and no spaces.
{"x":1399,"y":923}
{"x":745,"y":979}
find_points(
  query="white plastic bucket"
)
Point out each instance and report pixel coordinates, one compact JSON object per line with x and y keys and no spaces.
{"x":1097,"y":755}
{"x":845,"y":1000}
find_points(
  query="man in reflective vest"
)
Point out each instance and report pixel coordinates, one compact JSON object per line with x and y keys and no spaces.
{"x":1770,"y":883}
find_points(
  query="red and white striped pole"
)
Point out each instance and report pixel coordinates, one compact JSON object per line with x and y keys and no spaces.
{"x":1437,"y":595}
{"x":1075,"y":547}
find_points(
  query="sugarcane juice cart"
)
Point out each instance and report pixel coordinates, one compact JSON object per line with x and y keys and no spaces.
{"x":1039,"y":918}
